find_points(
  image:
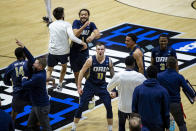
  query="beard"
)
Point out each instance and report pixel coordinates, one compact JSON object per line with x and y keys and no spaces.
{"x":83,"y":21}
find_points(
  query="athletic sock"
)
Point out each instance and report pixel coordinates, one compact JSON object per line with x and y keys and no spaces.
{"x":74,"y":125}
{"x":109,"y":127}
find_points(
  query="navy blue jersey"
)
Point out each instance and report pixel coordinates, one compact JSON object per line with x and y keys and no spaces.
{"x":160,"y":57}
{"x":136,"y":68}
{"x":84,"y":35}
{"x":16,"y":71}
{"x":98,"y":71}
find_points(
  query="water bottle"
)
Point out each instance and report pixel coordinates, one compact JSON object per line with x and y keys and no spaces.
{"x":172,"y":125}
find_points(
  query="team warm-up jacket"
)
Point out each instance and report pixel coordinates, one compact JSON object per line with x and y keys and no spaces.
{"x":151,"y":101}
{"x":172,"y":81}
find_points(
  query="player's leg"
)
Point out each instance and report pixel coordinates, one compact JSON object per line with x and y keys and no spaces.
{"x":13,"y":115}
{"x":87,"y":95}
{"x":49,"y":72}
{"x":52,"y":61}
{"x":48,"y":17}
{"x":17,"y":106}
{"x":121,"y":120}
{"x":105,"y":97}
{"x":76,"y":74}
{"x":177,"y":112}
{"x":63,"y":59}
{"x":32,"y":120}
{"x":43,"y":118}
{"x":62,"y":74}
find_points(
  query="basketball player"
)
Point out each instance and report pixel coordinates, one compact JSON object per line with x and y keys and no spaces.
{"x":87,"y":31}
{"x":15,"y":72}
{"x":59,"y":47}
{"x":48,"y":17}
{"x":125,"y":81}
{"x":160,"y":54}
{"x":173,"y":81}
{"x":95,"y":84}
{"x":136,"y":52}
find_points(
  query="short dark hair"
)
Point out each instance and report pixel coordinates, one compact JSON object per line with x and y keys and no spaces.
{"x":19,"y":53}
{"x":133,"y":37}
{"x":152,"y":71}
{"x":100,"y":44}
{"x":129,"y":61}
{"x":171,"y":62}
{"x":84,"y":10}
{"x":164,"y":35}
{"x":135,"y":122}
{"x":42,"y":62}
{"x":58,"y":12}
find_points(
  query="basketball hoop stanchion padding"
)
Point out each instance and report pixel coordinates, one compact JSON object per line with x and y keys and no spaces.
{"x":191,"y":99}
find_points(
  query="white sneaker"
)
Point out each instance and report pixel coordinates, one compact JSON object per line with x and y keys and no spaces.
{"x":91,"y":105}
{"x":58,"y":88}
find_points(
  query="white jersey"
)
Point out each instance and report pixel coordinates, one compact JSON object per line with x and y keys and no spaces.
{"x":60,"y":32}
{"x":126,"y":81}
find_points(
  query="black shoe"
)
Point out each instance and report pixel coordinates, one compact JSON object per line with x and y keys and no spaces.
{"x":49,"y":23}
{"x":45,"y":19}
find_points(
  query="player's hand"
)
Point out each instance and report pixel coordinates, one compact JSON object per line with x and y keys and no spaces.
{"x":84,"y":46}
{"x":86,"y":23}
{"x":19,"y":43}
{"x":113,"y":94}
{"x":89,"y":39}
{"x":194,"y":98}
{"x":80,"y":90}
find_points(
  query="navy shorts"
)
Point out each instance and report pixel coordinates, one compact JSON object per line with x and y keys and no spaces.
{"x":77,"y":59}
{"x":54,"y":59}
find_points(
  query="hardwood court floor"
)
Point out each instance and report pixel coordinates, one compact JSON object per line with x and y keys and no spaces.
{"x":22,"y":19}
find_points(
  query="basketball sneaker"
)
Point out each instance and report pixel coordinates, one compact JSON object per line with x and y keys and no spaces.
{"x":59,"y":88}
{"x":45,"y":19}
